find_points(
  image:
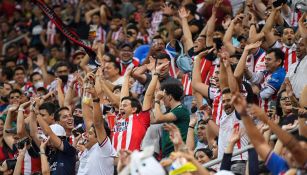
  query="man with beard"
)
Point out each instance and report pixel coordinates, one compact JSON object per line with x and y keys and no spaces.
{"x":61,"y":70}
{"x":230,"y":119}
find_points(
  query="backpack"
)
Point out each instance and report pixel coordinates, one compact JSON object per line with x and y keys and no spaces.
{"x":184,"y":62}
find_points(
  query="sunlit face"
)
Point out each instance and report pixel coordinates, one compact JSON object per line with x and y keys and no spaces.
{"x":201,"y":157}
{"x":288,"y":36}
{"x":14,"y":98}
{"x":91,"y":138}
{"x":164,"y":70}
{"x":125,"y":108}
{"x":199,"y":44}
{"x":285,"y":103}
{"x":132,"y":35}
{"x":126,"y":53}
{"x":110,"y":70}
{"x":5,"y":90}
{"x":63,"y":70}
{"x":37,"y":78}
{"x":301,"y":49}
{"x":158,"y":44}
{"x":227,"y":105}
{"x":45,"y":115}
{"x":271,"y":62}
{"x":201,"y":133}
{"x":66,"y":119}
{"x":19,"y":76}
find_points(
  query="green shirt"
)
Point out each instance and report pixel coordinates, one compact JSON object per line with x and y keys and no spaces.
{"x":182,"y":122}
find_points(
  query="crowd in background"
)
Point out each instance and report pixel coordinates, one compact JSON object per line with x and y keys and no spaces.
{"x":174,"y":85}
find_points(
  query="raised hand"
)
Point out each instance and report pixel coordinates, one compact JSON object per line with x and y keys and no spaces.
{"x":226,"y":22}
{"x":13,"y":107}
{"x":160,"y":67}
{"x":183,"y":13}
{"x":166,"y":9}
{"x":253,"y":46}
{"x":40,"y":61}
{"x":204,"y":53}
{"x":174,"y":133}
{"x":239,"y":103}
{"x":43,"y":145}
{"x":22,"y":152}
{"x":256,"y":111}
{"x":193,"y":121}
{"x":159,"y":95}
{"x":235,"y":136}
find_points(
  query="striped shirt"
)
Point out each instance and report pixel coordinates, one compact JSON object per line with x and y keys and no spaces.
{"x":290,"y":54}
{"x":128,"y":133}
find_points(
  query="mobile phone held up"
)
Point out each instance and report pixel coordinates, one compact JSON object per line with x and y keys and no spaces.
{"x":21,"y":143}
{"x":278,"y":3}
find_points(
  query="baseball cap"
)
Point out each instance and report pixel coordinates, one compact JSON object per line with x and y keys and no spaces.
{"x":58,"y":130}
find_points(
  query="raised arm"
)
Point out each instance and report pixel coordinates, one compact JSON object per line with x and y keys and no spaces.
{"x":19,"y":162}
{"x":70,"y":94}
{"x":183,"y":13}
{"x":60,"y":96}
{"x":233,"y":83}
{"x":54,"y":139}
{"x":211,"y":24}
{"x":98,"y":119}
{"x":190,"y":142}
{"x":267,"y":28}
{"x":227,"y":40}
{"x":298,"y":152}
{"x":197,"y":83}
{"x":44,"y":158}
{"x":21,"y":119}
{"x":88,"y":15}
{"x":240,"y":69}
{"x":258,"y":141}
{"x":8,"y":138}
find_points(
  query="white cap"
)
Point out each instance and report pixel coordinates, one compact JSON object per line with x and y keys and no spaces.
{"x":224,"y":172}
{"x":58,"y":130}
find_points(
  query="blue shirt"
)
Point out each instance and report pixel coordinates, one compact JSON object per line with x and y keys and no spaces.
{"x":276,"y":164}
{"x":64,"y":161}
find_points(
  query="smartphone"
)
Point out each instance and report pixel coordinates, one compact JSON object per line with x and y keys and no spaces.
{"x":78,"y":130}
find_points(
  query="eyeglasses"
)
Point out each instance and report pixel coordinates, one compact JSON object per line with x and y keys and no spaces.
{"x":14,"y":97}
{"x":284,"y":98}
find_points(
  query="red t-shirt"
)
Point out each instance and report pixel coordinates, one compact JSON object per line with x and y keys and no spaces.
{"x":128,"y":133}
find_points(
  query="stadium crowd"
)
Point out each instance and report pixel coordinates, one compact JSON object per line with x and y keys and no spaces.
{"x":174,"y":85}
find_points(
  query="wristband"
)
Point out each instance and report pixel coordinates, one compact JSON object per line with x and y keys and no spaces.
{"x":21,"y":109}
{"x":97,"y":100}
{"x":156,"y":73}
{"x":156,"y":101}
{"x":42,"y":153}
{"x":192,"y":127}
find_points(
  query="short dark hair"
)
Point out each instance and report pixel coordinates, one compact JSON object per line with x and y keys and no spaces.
{"x":117,"y":87}
{"x":173,"y":88}
{"x":161,"y":55}
{"x":43,"y":89}
{"x":8,"y":72}
{"x":57,"y":114}
{"x":33,"y":74}
{"x":60,"y":64}
{"x":116,"y":65}
{"x":191,"y":7}
{"x":19,"y":68}
{"x":15,"y":91}
{"x":207,"y":151}
{"x":135,"y":103}
{"x":49,"y":107}
{"x":226,"y":90}
{"x":279,"y":54}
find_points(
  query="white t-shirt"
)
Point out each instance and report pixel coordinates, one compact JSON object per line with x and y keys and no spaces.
{"x":296,"y":77}
{"x":119,"y":81}
{"x":227,"y":123}
{"x":98,"y":160}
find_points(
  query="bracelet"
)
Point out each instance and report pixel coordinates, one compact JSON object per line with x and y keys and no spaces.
{"x":21,"y":109}
{"x":156,"y":73}
{"x":97,"y":100}
{"x":192,"y":127}
{"x":42,"y":153}
{"x":253,"y":24}
{"x":156,"y":101}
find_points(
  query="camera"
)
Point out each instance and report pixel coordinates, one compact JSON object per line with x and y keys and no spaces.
{"x":21,"y":143}
{"x":78,"y":130}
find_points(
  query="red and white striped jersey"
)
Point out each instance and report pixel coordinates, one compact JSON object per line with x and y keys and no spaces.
{"x":51,"y":33}
{"x":30,"y":165}
{"x":290,"y":54}
{"x":206,"y":69}
{"x":255,"y":62}
{"x":123,"y":67}
{"x":116,"y":35}
{"x":101,"y":35}
{"x":128,"y":133}
{"x":217,"y":106}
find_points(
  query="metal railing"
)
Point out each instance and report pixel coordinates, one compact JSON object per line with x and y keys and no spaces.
{"x":240,"y":151}
{"x":5,"y":45}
